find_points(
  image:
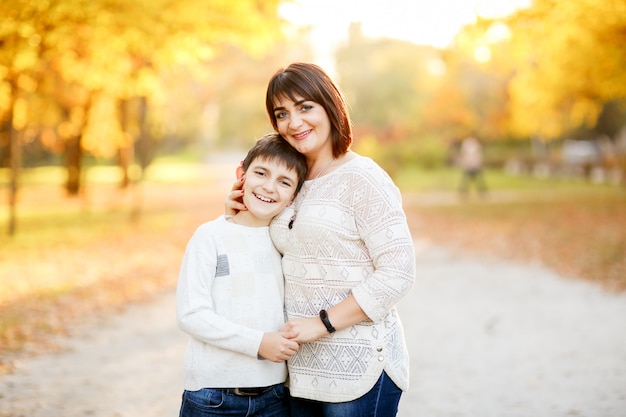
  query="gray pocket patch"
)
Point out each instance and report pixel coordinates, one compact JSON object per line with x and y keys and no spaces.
{"x":222,"y":268}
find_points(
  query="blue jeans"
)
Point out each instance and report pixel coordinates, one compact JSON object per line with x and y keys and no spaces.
{"x":381,"y":401}
{"x":209,"y":402}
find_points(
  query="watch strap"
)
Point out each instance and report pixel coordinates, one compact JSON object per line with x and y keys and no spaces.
{"x":326,"y":321}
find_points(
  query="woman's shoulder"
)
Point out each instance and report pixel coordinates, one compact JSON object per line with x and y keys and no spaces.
{"x":365,"y":166}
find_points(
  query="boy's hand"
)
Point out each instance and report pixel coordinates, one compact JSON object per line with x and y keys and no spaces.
{"x":278,"y":346}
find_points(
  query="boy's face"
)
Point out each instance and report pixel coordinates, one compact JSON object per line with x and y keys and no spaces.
{"x":269,"y":187}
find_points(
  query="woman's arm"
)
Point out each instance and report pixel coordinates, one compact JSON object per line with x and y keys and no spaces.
{"x":387,"y":237}
{"x":342,"y":315}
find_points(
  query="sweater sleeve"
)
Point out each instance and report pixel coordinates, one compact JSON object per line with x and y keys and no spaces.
{"x":195,"y":308}
{"x":382,"y":225}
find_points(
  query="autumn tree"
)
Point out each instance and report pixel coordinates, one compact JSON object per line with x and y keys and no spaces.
{"x":75,"y":73}
{"x":569,"y":62}
{"x":386,"y":82}
{"x":471,"y":99}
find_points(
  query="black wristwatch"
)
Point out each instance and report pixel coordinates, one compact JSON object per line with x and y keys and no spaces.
{"x":324,"y":317}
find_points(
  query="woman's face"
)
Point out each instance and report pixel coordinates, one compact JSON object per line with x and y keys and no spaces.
{"x":304,"y":124}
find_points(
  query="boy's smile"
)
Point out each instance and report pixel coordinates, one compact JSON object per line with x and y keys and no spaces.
{"x":269,"y":187}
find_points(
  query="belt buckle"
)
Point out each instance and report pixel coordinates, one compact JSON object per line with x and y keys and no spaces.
{"x":243,"y":393}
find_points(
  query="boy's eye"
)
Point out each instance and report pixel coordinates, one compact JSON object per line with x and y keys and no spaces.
{"x":286,"y":183}
{"x":259,"y":173}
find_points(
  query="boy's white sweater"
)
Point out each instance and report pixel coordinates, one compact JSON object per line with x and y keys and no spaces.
{"x":230,"y":291}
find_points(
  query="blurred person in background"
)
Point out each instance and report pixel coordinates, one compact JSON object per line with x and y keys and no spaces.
{"x":348,"y":258}
{"x":470,"y":160}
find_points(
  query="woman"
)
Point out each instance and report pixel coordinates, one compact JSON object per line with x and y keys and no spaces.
{"x":347,"y":257}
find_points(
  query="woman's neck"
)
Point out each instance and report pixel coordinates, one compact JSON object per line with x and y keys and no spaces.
{"x":321,"y":166}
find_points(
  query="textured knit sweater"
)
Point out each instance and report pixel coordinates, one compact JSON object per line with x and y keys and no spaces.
{"x":350,"y":236}
{"x":230,"y":291}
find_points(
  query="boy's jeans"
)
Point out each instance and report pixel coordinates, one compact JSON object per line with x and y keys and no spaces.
{"x":209,"y":402}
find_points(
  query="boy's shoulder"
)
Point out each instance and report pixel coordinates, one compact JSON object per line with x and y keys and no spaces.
{"x":212,"y":225}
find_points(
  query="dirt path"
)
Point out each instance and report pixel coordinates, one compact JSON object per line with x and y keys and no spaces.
{"x":126,"y":365}
{"x":487,"y":339}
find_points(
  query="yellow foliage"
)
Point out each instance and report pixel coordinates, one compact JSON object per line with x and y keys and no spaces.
{"x":49,"y":138}
{"x":27,"y":83}
{"x":114,"y":50}
{"x":585,"y":112}
{"x":20,"y":113}
{"x":569,"y":59}
{"x":103,"y":135}
{"x":5,"y":98}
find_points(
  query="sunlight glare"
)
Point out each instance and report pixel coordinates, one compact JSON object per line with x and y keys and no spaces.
{"x":436,"y":67}
{"x":426,"y":23}
{"x":498,"y":32}
{"x":482,"y":54}
{"x":420,"y":22}
{"x":496,"y":9}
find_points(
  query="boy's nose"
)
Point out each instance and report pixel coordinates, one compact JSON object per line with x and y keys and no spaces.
{"x":269,"y":185}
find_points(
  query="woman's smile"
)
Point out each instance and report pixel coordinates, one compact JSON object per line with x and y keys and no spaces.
{"x":302,"y":135}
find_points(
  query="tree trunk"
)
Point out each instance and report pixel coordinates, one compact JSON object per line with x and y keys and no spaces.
{"x":15,"y":155}
{"x":74,"y":154}
{"x":144,"y":144}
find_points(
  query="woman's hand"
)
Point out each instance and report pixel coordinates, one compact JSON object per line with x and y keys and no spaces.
{"x":234,"y":200}
{"x":307,"y":330}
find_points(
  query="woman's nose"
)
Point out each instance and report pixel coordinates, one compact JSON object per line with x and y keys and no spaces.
{"x":295,"y":121}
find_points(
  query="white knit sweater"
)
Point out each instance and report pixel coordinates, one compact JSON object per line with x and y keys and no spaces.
{"x":350,"y":235}
{"x":230,"y":291}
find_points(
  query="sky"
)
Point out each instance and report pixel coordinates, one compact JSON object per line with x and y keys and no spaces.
{"x":427,"y":22}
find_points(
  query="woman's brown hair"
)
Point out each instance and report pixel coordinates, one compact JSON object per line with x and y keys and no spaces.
{"x":312,"y":83}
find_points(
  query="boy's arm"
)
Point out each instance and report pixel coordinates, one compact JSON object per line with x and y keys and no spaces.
{"x":195,"y":309}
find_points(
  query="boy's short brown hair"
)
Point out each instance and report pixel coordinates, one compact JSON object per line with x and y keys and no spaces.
{"x":274,"y":147}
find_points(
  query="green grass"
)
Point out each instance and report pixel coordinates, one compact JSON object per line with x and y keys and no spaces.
{"x":415,"y":179}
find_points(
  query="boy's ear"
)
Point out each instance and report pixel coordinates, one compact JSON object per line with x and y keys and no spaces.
{"x":239,"y":172}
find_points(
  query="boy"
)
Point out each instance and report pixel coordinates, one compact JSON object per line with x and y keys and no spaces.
{"x":230,"y":293}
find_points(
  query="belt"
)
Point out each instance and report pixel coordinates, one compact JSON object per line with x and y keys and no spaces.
{"x":248,"y":392}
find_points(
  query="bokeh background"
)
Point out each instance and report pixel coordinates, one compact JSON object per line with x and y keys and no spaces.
{"x":122,"y":122}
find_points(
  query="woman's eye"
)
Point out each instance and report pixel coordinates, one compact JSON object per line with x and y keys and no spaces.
{"x":280,"y":115}
{"x":306,"y":107}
